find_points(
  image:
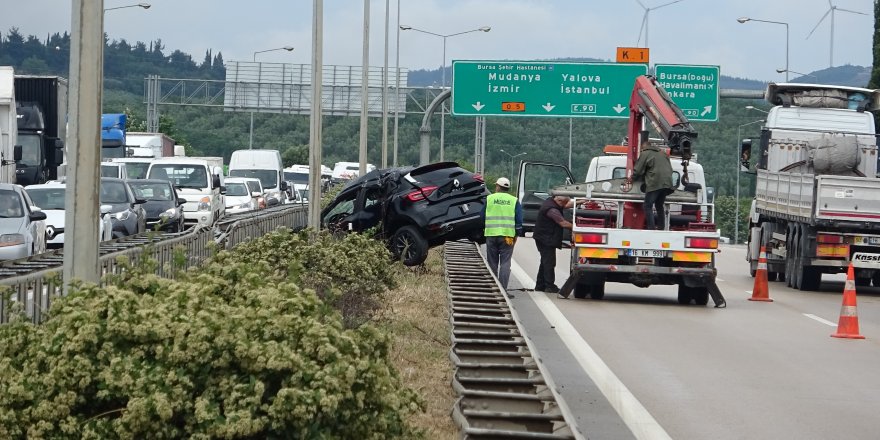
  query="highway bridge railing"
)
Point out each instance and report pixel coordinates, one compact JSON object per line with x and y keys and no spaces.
{"x":31,"y":284}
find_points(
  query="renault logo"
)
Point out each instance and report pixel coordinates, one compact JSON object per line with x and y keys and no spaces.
{"x":50,"y":232}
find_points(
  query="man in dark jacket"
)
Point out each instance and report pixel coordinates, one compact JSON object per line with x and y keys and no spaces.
{"x":548,"y":232}
{"x":654,"y":167}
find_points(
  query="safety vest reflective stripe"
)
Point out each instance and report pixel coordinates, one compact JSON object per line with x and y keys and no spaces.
{"x":500,"y":215}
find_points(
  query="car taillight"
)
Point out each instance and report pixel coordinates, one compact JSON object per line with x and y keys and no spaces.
{"x":701,"y":243}
{"x":479,"y":178}
{"x":591,"y":238}
{"x":421,"y":194}
{"x":829,"y":239}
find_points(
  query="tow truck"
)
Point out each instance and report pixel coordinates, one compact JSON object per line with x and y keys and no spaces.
{"x":609,"y":242}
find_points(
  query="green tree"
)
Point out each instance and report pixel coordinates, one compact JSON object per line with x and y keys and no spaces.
{"x":295,"y":155}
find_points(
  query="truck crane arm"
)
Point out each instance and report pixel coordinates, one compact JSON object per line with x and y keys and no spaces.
{"x":650,"y":101}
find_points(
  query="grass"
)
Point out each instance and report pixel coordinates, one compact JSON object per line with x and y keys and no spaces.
{"x":417,"y":314}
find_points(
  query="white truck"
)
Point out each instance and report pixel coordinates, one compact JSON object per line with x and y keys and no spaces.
{"x":199,"y":181}
{"x":159,"y":143}
{"x":609,"y":242}
{"x":9,"y":151}
{"x":817,"y":195}
{"x":265,"y":165}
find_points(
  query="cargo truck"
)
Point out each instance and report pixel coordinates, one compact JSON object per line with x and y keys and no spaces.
{"x":41,"y":111}
{"x":817,"y":194}
{"x":159,"y":143}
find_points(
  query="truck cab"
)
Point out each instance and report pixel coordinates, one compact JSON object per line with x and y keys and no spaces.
{"x":38,"y":151}
{"x":196,"y":180}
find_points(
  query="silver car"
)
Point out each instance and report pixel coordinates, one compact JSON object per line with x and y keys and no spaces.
{"x":22,"y":225}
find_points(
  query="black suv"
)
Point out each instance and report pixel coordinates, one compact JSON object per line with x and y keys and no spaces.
{"x":416,"y":208}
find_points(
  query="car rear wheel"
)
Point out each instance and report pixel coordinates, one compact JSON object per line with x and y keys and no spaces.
{"x":408,"y":246}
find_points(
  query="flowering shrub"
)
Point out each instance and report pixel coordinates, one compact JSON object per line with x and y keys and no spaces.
{"x":236,"y":349}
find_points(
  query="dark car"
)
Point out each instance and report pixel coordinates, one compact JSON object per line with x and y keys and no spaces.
{"x":416,"y":208}
{"x":126,"y":211}
{"x":164,"y":208}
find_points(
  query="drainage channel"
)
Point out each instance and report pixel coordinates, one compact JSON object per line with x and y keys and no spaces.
{"x":504,"y":392}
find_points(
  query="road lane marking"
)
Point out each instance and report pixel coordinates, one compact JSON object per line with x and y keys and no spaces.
{"x":631,"y":411}
{"x":719,"y":279}
{"x":822,"y":320}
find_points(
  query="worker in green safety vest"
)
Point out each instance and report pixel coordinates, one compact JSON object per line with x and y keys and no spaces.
{"x":503,"y":216}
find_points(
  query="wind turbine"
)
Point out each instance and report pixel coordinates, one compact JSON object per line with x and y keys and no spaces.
{"x":645,"y":19}
{"x":831,"y":10}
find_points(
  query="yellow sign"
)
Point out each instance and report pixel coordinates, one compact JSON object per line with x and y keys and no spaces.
{"x":633,"y":54}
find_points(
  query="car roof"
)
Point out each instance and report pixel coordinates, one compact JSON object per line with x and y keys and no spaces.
{"x":153,"y":181}
{"x":47,"y":186}
{"x":241,"y":179}
{"x":10,"y":186}
{"x":112,"y":179}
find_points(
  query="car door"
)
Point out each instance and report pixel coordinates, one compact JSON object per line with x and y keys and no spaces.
{"x":368,"y":208}
{"x":534,"y":184}
{"x":338,"y":216}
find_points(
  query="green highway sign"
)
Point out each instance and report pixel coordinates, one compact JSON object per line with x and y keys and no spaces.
{"x":694,"y":89}
{"x":531,"y":88}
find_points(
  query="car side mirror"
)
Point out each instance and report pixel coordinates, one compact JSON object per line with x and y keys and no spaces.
{"x":37,"y":216}
{"x":181,"y":202}
{"x":256,"y":194}
{"x":215,"y":181}
{"x":222,"y":190}
{"x":272,"y":201}
{"x":745,"y":154}
{"x":105,"y":209}
{"x":16,"y":153}
{"x":139,"y":201}
{"x":284,"y":185}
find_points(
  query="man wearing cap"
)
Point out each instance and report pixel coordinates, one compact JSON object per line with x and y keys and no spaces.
{"x":503,"y":217}
{"x":548,"y":234}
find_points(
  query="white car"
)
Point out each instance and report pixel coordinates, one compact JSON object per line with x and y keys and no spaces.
{"x":114,"y":169}
{"x":243,"y":194}
{"x":22,"y":225}
{"x":49,"y":198}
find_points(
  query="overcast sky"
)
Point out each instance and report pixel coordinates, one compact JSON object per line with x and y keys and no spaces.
{"x":687,"y":32}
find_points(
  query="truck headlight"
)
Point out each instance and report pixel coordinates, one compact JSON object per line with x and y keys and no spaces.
{"x":248,"y":205}
{"x":205,"y":204}
{"x":123,"y":215}
{"x":11,"y":240}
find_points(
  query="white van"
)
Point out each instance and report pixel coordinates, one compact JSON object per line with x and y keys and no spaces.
{"x":198,"y":181}
{"x":265,"y":165}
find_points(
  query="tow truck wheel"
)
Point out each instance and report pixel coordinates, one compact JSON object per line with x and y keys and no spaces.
{"x":684,"y":294}
{"x":581,"y":290}
{"x":700,"y":295}
{"x":597,"y":291}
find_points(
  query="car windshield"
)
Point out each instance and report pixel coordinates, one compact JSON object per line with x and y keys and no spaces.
{"x":153,"y":191}
{"x":269,"y":178}
{"x":254,"y":186}
{"x":296,"y":177}
{"x":112,"y":152}
{"x":47,"y":198}
{"x":30,"y":150}
{"x":113,"y":193}
{"x":136,"y":170}
{"x":10,"y":204}
{"x":109,"y":171}
{"x":181,"y":175}
{"x":236,"y":189}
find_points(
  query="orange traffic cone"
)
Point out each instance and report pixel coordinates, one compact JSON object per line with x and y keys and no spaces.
{"x":761,"y":291}
{"x":848,"y":326}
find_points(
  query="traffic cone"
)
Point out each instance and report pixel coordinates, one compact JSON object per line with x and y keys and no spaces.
{"x":761,"y":291}
{"x":848,"y":326}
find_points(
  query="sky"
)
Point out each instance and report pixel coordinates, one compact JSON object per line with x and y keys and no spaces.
{"x":702,"y":32}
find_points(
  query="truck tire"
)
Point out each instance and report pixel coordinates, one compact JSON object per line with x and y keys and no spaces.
{"x":581,"y":290}
{"x":684,"y":294}
{"x":597,"y":291}
{"x":810,"y":278}
{"x":700,"y":295}
{"x":791,"y":260}
{"x":863,"y":282}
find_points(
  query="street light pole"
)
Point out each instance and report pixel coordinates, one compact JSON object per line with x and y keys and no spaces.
{"x":251,"y":132}
{"x":738,"y":172}
{"x":138,"y":5}
{"x":365,"y":78}
{"x":385,"y":92}
{"x":510,"y":163}
{"x":745,"y":19}
{"x":316,"y":117}
{"x":397,"y":86}
{"x":443,"y":74}
{"x":797,"y":73}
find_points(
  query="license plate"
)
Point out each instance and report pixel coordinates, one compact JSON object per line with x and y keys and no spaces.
{"x":649,"y":253}
{"x":873,"y":240}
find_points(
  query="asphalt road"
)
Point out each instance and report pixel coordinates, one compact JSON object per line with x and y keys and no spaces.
{"x":638,"y":361}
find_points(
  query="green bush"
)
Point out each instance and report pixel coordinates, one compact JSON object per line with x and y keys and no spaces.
{"x":238,"y":349}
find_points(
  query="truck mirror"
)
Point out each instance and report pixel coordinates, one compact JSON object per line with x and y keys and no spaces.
{"x":59,"y":144}
{"x":710,"y":194}
{"x":16,"y":153}
{"x":283,"y":185}
{"x":745,"y":155}
{"x":215,"y":181}
{"x":57,"y":157}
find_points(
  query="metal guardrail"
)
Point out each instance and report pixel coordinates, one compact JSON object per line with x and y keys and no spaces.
{"x":504,"y":391}
{"x":35,"y":281}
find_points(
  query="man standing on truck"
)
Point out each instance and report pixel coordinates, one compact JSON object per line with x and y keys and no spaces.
{"x":503,"y":218}
{"x":654,"y":167}
{"x":547,"y":234}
